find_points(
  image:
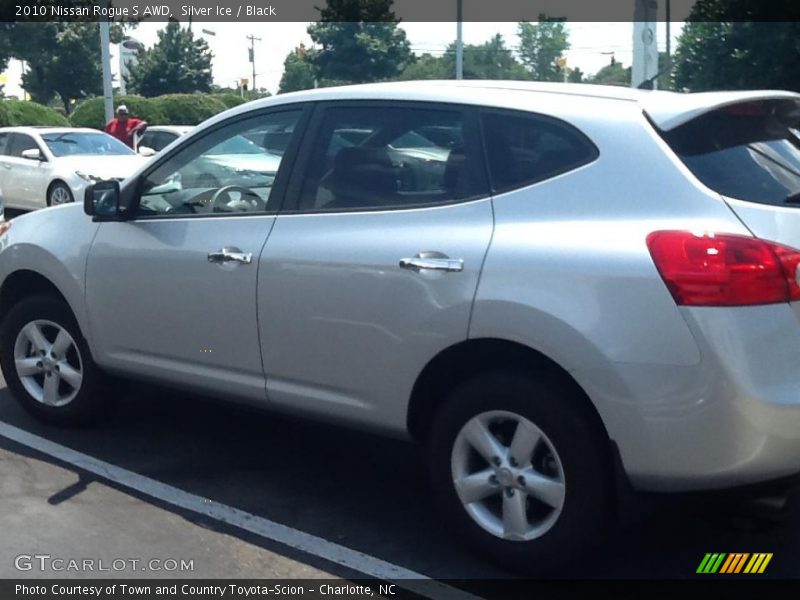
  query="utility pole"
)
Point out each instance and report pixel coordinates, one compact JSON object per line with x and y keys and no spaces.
{"x":459,"y":41}
{"x":252,"y":55}
{"x":108,"y":91}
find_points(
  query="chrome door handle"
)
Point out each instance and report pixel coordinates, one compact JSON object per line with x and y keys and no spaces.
{"x":226,"y":255}
{"x":418,"y":263}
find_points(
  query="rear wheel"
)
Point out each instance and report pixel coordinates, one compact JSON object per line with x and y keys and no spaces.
{"x":520,"y":470}
{"x":59,"y":193}
{"x":47,"y":363}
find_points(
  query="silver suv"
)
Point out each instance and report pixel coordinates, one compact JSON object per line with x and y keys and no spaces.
{"x":541,"y":283}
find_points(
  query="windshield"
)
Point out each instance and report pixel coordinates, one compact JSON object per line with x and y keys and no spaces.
{"x":746,"y":151}
{"x":73,"y":143}
{"x":236,"y":145}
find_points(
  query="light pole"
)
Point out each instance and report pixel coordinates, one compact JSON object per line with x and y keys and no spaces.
{"x":252,"y":55}
{"x":459,"y":40}
{"x":108,"y":90}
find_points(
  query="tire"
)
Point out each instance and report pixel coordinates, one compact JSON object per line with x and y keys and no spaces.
{"x":72,"y":392}
{"x":59,"y":193}
{"x":571,"y":454}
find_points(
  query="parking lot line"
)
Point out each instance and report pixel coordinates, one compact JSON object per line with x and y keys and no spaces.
{"x":264,"y":528}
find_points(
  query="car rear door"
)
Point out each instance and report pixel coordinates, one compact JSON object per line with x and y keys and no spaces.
{"x":372,"y":269}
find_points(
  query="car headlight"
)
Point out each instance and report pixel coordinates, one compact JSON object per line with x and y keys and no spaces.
{"x":87,"y":177}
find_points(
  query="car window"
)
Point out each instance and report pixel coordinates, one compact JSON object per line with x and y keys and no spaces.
{"x":376,"y":158}
{"x":522,"y":149}
{"x":748,"y":151}
{"x":83,"y":143}
{"x":157,"y":140}
{"x":5,"y":139}
{"x":222,"y":172}
{"x":21,"y":142}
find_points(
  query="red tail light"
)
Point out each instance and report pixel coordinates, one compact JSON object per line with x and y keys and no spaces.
{"x":724,"y":269}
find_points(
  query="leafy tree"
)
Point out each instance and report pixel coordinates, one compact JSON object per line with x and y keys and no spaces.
{"x":613,"y":74}
{"x":541,"y":45}
{"x":736,"y":55}
{"x":298,"y":72}
{"x":360,"y":41}
{"x":63,"y":58}
{"x":576,"y":76}
{"x":490,"y":60}
{"x":177,"y":63}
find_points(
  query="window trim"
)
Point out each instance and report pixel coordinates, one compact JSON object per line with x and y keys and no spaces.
{"x":540,"y":117}
{"x":301,"y":165}
{"x":131,"y":194}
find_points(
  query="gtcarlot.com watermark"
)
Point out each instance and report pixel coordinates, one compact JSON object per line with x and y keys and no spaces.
{"x":45,"y":563}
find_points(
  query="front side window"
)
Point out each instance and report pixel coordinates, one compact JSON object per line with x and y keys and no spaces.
{"x":80,"y":143}
{"x":522,"y":149}
{"x":5,"y":138}
{"x":367,"y":158}
{"x":227,"y":171}
{"x":21,"y":143}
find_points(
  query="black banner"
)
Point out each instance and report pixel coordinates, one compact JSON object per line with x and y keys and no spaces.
{"x":406,"y":10}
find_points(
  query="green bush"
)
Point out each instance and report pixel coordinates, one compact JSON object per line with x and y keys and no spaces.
{"x":229,"y":100}
{"x":91,"y":113}
{"x":19,"y":112}
{"x":188,"y":109}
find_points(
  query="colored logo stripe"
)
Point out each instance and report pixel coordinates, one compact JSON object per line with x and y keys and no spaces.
{"x":723,"y":563}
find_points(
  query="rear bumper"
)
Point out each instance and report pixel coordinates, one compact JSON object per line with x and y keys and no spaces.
{"x":732,"y":420}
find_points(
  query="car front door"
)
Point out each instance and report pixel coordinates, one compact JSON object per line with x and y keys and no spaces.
{"x":171,"y":294}
{"x":373,"y":268}
{"x":28,"y":181}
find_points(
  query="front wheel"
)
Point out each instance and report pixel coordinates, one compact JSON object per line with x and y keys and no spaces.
{"x":59,"y":193}
{"x":47,"y":363}
{"x":520,"y":470}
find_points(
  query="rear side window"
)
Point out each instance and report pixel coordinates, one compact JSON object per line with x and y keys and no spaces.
{"x":522,"y":149}
{"x":747,"y":151}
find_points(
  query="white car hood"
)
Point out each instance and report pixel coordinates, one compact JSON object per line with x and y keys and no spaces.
{"x":105,"y":167}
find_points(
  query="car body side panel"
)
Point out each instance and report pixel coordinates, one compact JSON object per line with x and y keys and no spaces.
{"x":53,"y":243}
{"x":569,"y":274}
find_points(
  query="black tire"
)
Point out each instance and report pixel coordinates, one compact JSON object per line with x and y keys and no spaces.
{"x":579,"y":445}
{"x":88,"y":401}
{"x":60,"y":185}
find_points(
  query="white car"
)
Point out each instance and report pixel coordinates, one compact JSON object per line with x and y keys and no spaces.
{"x":157,"y":137}
{"x":45,"y":166}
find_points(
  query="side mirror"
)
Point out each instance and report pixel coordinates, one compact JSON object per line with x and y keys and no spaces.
{"x":145,"y":151}
{"x":101,"y":200}
{"x":33,"y":154}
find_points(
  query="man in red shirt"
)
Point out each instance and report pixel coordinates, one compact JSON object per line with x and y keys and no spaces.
{"x":124,"y":127}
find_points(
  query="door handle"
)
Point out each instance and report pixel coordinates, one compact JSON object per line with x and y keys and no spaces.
{"x":432,"y":261}
{"x":229,"y":254}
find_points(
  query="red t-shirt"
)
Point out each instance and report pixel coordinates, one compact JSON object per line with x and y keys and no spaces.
{"x":122,"y":131}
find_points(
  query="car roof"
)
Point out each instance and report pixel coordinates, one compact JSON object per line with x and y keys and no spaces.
{"x":39,"y":129}
{"x":666,"y":109}
{"x":171,"y":128}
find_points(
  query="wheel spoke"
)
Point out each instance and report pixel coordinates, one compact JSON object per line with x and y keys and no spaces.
{"x":524,"y":442}
{"x":70,"y":375}
{"x":62,"y":344}
{"x":472,"y":488}
{"x":36,"y":337}
{"x":51,"y":389}
{"x":515,"y":520}
{"x":28,"y":366}
{"x":480,"y":438}
{"x":545,"y":489}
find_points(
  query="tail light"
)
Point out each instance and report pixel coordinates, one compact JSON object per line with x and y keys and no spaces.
{"x":724,"y":269}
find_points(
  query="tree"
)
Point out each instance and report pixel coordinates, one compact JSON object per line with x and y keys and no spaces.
{"x":298,"y":73}
{"x":541,"y":45}
{"x":576,"y":76}
{"x":613,"y":74}
{"x":63,"y":58}
{"x":177,"y":64}
{"x":490,"y":60}
{"x":736,"y":55}
{"x":360,"y":41}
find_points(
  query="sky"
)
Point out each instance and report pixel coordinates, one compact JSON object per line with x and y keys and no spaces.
{"x":591,"y":44}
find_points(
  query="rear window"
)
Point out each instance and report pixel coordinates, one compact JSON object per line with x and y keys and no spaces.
{"x":748,"y":151}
